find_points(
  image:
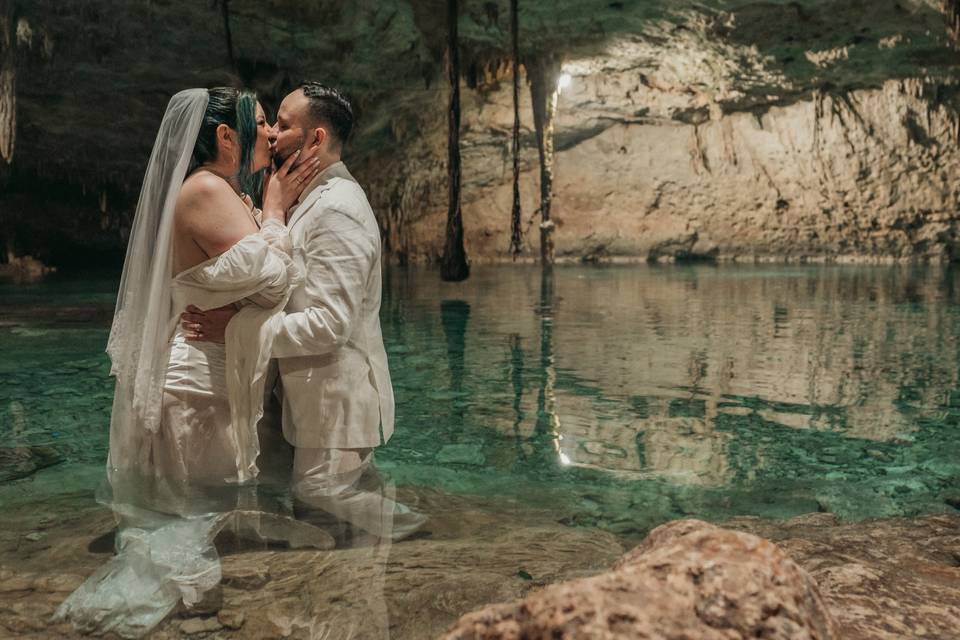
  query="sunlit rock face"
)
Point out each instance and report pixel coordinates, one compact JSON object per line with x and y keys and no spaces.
{"x":704,"y":141}
{"x":816,"y":129}
{"x":871,"y":174}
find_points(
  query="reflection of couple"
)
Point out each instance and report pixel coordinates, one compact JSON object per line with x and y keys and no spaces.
{"x":301,"y":291}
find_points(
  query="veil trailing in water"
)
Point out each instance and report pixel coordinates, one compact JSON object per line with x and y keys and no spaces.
{"x":141,"y":321}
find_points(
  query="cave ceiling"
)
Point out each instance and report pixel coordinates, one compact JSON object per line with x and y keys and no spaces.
{"x":93,"y":76}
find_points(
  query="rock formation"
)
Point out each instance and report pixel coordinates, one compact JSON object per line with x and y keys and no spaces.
{"x":881,"y":579}
{"x":816,"y":129}
{"x":688,"y":579}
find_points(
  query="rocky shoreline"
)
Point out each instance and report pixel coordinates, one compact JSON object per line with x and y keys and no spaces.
{"x":878,"y":579}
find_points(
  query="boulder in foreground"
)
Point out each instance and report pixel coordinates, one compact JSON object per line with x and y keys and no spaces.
{"x":687,"y":579}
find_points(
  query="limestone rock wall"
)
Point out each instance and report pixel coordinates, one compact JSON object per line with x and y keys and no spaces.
{"x":865,"y":175}
{"x":722,"y":128}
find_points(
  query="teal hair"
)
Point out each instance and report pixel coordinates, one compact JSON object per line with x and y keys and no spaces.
{"x":247,"y":130}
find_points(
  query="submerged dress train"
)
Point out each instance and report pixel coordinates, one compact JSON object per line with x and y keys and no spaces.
{"x":181,"y":483}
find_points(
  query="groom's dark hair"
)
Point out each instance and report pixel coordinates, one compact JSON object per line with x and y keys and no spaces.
{"x":329,"y":106}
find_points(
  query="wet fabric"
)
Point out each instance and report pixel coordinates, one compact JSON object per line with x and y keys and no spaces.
{"x":174,"y":489}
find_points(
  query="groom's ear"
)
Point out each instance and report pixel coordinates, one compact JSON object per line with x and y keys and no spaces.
{"x":319,"y":135}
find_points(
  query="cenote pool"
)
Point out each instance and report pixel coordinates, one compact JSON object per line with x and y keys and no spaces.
{"x":616,"y":398}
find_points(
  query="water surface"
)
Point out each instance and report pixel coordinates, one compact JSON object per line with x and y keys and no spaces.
{"x":618,"y":397}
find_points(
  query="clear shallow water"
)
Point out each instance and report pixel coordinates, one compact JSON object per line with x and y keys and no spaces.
{"x":619,"y":397}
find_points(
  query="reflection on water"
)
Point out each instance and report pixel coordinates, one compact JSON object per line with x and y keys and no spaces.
{"x":625,"y":396}
{"x":454,"y":316}
{"x":601,"y":398}
{"x":620,"y":397}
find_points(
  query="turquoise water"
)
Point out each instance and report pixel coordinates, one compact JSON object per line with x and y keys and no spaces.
{"x":619,"y":397}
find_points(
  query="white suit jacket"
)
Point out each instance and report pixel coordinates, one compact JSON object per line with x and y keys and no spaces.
{"x":335,"y":382}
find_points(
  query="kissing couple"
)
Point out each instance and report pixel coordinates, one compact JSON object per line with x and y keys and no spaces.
{"x":235,"y":325}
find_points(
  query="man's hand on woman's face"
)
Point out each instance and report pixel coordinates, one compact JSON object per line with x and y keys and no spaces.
{"x":207,"y":326}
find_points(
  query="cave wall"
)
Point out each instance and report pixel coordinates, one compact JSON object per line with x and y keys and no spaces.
{"x":867,"y":175}
{"x":820,"y":129}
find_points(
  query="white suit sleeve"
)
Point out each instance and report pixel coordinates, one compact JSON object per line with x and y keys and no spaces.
{"x":258,"y":268}
{"x":275,"y":235}
{"x":339,"y":254}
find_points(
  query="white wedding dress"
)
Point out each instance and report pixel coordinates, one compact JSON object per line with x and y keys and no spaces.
{"x":190,"y":478}
{"x":212,"y":393}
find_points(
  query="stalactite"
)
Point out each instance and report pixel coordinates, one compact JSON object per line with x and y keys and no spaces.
{"x":544,"y":73}
{"x":104,"y":211}
{"x":951,"y":8}
{"x":8,"y":83}
{"x":516,"y":234}
{"x":8,"y":112}
{"x":8,"y":119}
{"x":453,"y":265}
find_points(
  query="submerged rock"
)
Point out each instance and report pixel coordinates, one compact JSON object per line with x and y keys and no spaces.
{"x":200,"y":625}
{"x":882,"y":579}
{"x":22,"y":461}
{"x":736,"y":585}
{"x":231,"y":618}
{"x":461,"y":454}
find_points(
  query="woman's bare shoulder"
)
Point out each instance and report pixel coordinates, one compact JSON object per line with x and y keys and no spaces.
{"x":210,"y":213}
{"x":206,"y":198}
{"x":201,"y":187}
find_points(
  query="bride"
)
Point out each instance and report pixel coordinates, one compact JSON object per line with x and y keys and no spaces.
{"x":183,"y":431}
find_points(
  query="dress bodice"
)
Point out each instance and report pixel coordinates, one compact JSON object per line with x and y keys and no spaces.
{"x":256,"y":271}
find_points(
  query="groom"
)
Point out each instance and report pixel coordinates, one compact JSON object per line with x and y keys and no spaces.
{"x":337,"y":395}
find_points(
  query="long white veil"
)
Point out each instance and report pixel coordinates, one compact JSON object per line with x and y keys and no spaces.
{"x":140,"y":331}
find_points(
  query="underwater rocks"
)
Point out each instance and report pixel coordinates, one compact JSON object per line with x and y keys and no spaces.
{"x":413,"y":589}
{"x":24,"y":269}
{"x":883,"y":579}
{"x":478,"y":551}
{"x":22,"y":461}
{"x":461,"y":454}
{"x":738,"y":586}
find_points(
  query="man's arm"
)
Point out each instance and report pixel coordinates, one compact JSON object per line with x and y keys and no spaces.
{"x":339,"y":256}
